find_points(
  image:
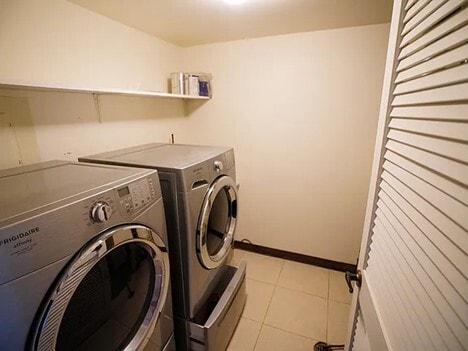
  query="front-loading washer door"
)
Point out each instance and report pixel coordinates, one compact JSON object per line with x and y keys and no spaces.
{"x":109,"y":297}
{"x":217,"y":222}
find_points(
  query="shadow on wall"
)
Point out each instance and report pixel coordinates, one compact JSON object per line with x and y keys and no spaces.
{"x":62,"y":107}
{"x":18,"y":142}
{"x":58,"y":125}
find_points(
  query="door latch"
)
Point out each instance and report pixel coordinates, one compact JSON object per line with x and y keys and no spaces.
{"x":357,"y":277}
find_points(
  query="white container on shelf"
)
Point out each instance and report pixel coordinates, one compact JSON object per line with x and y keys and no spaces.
{"x":193,"y":87}
{"x":177,"y":83}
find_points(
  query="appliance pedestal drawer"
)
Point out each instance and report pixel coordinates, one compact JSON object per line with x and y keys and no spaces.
{"x":213,"y":326}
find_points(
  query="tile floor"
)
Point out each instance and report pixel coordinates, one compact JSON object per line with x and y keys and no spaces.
{"x":290,"y":305}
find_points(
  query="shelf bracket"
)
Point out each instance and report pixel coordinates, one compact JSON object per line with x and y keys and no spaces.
{"x":97,"y":106}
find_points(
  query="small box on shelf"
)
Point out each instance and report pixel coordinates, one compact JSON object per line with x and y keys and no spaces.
{"x":193,"y":84}
{"x":204,"y":85}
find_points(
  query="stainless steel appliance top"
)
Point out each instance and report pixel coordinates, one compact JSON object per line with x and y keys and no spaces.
{"x":162,"y":156}
{"x":28,"y":188}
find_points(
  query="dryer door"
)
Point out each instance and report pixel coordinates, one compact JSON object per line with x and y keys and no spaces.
{"x":217,"y":222}
{"x":109,"y":297}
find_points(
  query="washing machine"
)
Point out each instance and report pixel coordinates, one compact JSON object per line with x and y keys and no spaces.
{"x":200,"y":197}
{"x":83,"y":259}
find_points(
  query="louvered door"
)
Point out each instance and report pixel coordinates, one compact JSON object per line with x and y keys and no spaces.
{"x":413,"y":258}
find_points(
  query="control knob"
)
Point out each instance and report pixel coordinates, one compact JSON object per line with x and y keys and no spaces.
{"x":218,"y":166}
{"x":101,"y":212}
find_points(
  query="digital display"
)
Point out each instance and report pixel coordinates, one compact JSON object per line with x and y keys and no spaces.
{"x":123,"y":191}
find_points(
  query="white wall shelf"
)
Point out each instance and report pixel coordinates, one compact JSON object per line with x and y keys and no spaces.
{"x":104,"y":91}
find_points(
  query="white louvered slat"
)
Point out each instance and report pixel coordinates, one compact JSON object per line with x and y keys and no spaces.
{"x":418,"y":5}
{"x":416,"y":223}
{"x":386,"y":301}
{"x":418,"y":284}
{"x":425,"y":281}
{"x":444,"y":147}
{"x":444,"y":44}
{"x":451,"y":188}
{"x":415,"y":246}
{"x":426,"y":289}
{"x":434,"y":18}
{"x":382,"y":301}
{"x":452,"y":112}
{"x":426,"y":11}
{"x":420,"y":247}
{"x":388,"y":297}
{"x":457,"y":74}
{"x":401,"y":272}
{"x":395,"y":272}
{"x":410,"y":320}
{"x":457,"y":20}
{"x":410,"y":3}
{"x":452,"y":208}
{"x":437,"y":63}
{"x":453,"y":93}
{"x":451,"y":130}
{"x":452,"y":169}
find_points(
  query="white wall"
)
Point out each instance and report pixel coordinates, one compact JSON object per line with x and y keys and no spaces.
{"x":61,"y":43}
{"x":66,"y":126}
{"x":301,"y":111}
{"x":56,"y":42}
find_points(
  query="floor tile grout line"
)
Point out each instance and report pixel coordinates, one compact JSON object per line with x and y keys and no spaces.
{"x":290,"y":332}
{"x":289,"y":288}
{"x":237,"y":261}
{"x":269,"y":304}
{"x":279,"y":275}
{"x":252,"y":320}
{"x":277,"y":285}
{"x":264,"y":317}
{"x":326,"y":322}
{"x":258,"y":337}
{"x":260,"y":281}
{"x":338,"y":301}
{"x":302,"y":292}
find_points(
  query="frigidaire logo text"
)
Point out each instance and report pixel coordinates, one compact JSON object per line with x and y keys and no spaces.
{"x":19,"y":236}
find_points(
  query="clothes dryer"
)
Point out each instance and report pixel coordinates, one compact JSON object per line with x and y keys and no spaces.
{"x":83,"y":259}
{"x":200,"y":197}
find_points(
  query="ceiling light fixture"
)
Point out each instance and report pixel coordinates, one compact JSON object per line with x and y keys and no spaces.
{"x":234,"y":2}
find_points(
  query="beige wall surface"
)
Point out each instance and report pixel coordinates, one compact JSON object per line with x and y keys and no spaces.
{"x":59,"y":43}
{"x":67,"y":125}
{"x":301,"y":112}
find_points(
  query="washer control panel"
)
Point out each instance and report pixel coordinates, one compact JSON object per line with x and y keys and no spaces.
{"x":136,"y":195}
{"x":218,"y":166}
{"x":101,"y":211}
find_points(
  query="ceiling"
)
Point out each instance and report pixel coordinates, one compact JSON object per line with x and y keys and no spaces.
{"x":195,"y":22}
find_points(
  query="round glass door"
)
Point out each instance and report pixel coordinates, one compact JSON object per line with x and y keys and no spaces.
{"x":111,"y":295}
{"x":217,"y":222}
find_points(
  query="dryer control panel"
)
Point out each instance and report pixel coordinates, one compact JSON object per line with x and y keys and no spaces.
{"x":136,"y":195}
